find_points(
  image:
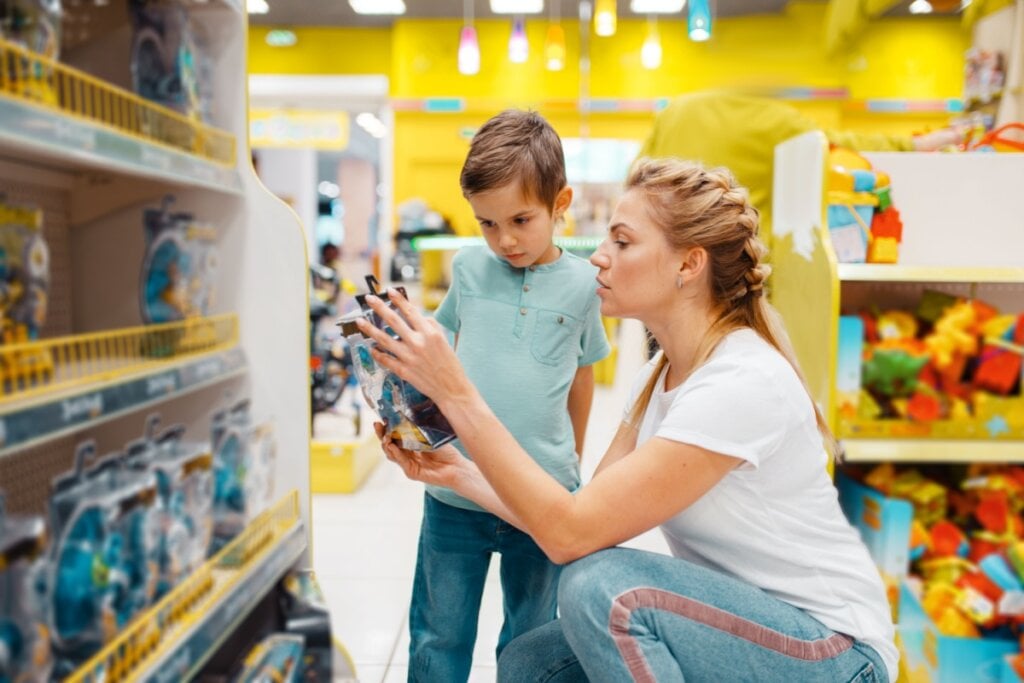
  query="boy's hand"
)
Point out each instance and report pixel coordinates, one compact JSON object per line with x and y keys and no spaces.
{"x":438,"y":468}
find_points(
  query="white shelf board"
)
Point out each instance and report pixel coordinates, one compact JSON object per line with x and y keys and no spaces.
{"x":896,"y":272}
{"x":31,"y":133}
{"x":933,"y":450}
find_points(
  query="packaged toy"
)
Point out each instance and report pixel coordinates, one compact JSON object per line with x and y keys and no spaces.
{"x":305,"y":613}
{"x":413,"y":420}
{"x":24,"y":273}
{"x":277,"y":658}
{"x":35,"y":26}
{"x":180,"y":266}
{"x":184,"y":503}
{"x":24,"y":637}
{"x":863,"y":223}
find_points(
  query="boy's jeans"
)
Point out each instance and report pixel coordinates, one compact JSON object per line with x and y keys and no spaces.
{"x":455,"y":550}
{"x":630,"y":615}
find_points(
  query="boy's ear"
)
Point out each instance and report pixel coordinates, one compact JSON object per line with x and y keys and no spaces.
{"x":562,"y":201}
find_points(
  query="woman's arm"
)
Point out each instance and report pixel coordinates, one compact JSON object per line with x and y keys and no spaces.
{"x":636,"y":493}
{"x":581,"y":397}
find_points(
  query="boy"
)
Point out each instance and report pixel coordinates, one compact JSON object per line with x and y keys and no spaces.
{"x":527,"y":329}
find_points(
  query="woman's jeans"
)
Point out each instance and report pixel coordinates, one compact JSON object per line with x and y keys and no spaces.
{"x":631,"y":615}
{"x":455,"y":550}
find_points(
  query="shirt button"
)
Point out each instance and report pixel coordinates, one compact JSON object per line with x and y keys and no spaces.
{"x":522,"y":311}
{"x":561,"y":320}
{"x":526,"y":288}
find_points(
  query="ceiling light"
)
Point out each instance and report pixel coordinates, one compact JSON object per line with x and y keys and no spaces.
{"x":257,"y":6}
{"x":920,"y":7}
{"x":656,"y":6}
{"x":469,"y":52}
{"x":518,"y":45}
{"x":517,"y":6}
{"x":698,"y":20}
{"x":604,"y":18}
{"x":377,"y":6}
{"x":281,"y":38}
{"x":554,"y":48}
{"x":650,"y":53}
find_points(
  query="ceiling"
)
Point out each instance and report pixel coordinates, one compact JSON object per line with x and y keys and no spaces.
{"x":339,"y":13}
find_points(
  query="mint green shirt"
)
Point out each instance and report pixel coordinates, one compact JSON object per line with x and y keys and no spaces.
{"x":522,"y":335}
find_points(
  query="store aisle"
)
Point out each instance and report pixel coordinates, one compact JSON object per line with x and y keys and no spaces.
{"x":364,"y":548}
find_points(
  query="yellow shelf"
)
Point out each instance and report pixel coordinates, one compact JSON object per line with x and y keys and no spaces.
{"x":172,"y":640}
{"x":895,"y":272}
{"x":933,"y":450}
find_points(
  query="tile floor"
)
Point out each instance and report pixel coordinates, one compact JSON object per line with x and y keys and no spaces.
{"x":364,"y":548}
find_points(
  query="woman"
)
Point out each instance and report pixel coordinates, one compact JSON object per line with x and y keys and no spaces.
{"x":721,"y":446}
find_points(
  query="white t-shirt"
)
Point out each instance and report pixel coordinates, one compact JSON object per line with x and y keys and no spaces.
{"x":774,"y":521}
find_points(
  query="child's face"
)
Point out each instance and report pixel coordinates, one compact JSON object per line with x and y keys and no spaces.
{"x":517,"y":228}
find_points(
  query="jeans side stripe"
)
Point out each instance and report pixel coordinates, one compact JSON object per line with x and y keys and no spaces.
{"x":652,"y":598}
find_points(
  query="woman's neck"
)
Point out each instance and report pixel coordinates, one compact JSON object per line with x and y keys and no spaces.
{"x":681,"y":338}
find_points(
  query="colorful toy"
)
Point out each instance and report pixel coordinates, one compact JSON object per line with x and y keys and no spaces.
{"x":410,"y":417}
{"x":862,"y":222}
{"x":24,"y":636}
{"x":24,"y":272}
{"x":35,"y":26}
{"x":277,"y":658}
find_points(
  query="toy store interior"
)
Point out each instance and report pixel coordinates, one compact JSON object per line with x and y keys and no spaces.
{"x":196,"y":196}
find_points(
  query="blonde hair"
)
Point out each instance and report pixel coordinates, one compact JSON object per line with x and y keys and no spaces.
{"x":698,"y":207}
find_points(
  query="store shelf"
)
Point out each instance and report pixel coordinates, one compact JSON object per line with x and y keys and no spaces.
{"x":56,"y":387}
{"x":932,"y":450}
{"x":895,"y":272}
{"x":173,"y":640}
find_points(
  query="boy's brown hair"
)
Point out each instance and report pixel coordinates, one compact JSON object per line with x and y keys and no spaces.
{"x":516,"y":145}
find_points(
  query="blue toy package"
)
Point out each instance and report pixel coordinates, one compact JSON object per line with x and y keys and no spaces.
{"x":24,"y":273}
{"x":411,"y":418}
{"x":275,"y":659}
{"x":24,"y":637}
{"x":243,"y":465}
{"x":180,"y":266}
{"x":103,"y":563}
{"x":184,"y":503}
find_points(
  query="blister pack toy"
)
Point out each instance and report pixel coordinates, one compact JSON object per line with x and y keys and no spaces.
{"x":180,"y":266}
{"x":103,"y":562}
{"x":184,"y":503}
{"x":413,"y":420}
{"x":34,"y":25}
{"x":24,"y":272}
{"x":24,"y":637}
{"x":243,"y":464}
{"x":277,"y":658}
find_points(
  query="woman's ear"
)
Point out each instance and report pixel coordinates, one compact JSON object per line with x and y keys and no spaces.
{"x":693,"y":264}
{"x":562,"y":201}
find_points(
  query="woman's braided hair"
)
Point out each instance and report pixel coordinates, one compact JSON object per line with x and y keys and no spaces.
{"x":699,"y":207}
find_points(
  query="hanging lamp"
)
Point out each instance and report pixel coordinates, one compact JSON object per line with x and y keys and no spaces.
{"x":469,"y":48}
{"x":604,"y":18}
{"x":554,"y":44}
{"x":650,"y":52}
{"x":518,"y":45}
{"x":698,"y":20}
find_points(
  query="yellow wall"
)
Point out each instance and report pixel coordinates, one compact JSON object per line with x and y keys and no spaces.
{"x":917,"y":58}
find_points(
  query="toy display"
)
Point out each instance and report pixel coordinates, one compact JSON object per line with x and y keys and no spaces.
{"x":168,"y":64}
{"x":34,"y":25}
{"x":180,"y":266}
{"x":24,"y":637}
{"x":277,"y":658}
{"x":103,"y":563}
{"x":184,"y":503}
{"x":413,"y":420}
{"x":305,"y":614}
{"x":951,"y":367}
{"x":24,"y":273}
{"x":862,"y":221}
{"x":243,"y":460}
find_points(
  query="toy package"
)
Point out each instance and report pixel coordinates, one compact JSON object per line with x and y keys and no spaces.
{"x":24,"y":637}
{"x":180,"y":266}
{"x":103,"y":563}
{"x":413,"y":420}
{"x":34,"y":25}
{"x":168,"y":62}
{"x":305,"y":613}
{"x":184,"y":503}
{"x":24,"y":273}
{"x":277,"y":658}
{"x":243,"y":466}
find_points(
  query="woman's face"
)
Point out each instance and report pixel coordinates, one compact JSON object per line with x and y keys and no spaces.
{"x":638,"y":267}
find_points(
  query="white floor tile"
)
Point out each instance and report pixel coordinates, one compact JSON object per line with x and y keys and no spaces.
{"x":371,"y":674}
{"x":396,"y":674}
{"x":483,"y":674}
{"x":365,"y":550}
{"x":367,"y":615}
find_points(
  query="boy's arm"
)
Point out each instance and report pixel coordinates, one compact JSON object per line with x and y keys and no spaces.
{"x":581,"y":397}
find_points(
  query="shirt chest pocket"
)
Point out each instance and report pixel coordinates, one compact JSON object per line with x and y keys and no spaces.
{"x":554,"y":337}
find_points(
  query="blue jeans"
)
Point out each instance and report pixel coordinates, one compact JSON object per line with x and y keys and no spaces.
{"x":455,"y":551}
{"x":630,"y":615}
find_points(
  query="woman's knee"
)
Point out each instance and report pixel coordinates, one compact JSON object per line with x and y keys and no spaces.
{"x":588,"y":580}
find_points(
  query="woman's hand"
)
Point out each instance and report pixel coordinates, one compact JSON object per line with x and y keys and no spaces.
{"x":421,"y":355}
{"x":442,"y":467}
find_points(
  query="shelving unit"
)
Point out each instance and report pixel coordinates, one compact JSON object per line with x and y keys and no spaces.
{"x":967,"y":244}
{"x":93,"y":156}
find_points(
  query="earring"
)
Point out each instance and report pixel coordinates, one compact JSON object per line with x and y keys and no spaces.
{"x":679,"y":281}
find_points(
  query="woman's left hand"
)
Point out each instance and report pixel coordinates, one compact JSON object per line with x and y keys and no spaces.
{"x":421,"y":355}
{"x":442,"y":467}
